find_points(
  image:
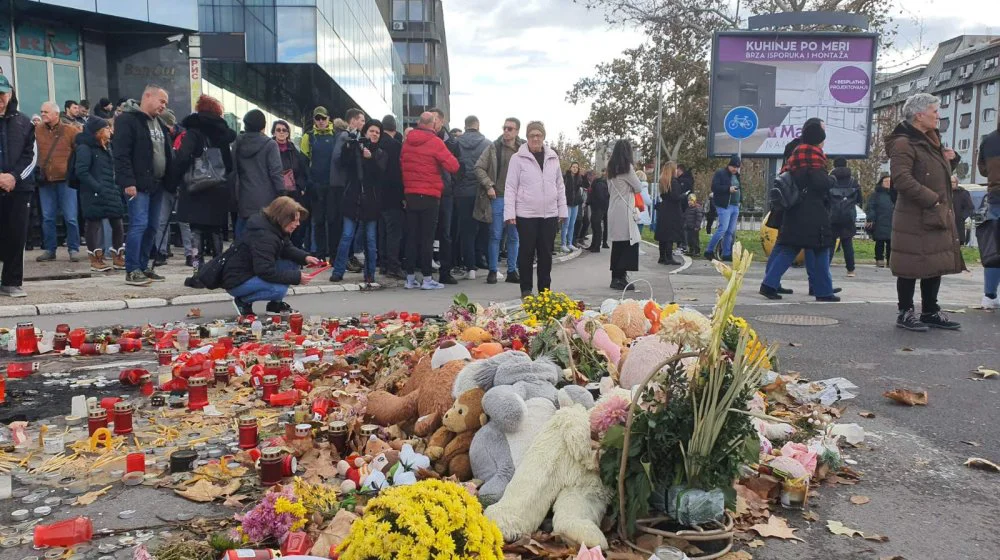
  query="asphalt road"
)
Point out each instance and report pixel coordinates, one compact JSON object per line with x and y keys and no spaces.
{"x":923,"y":499}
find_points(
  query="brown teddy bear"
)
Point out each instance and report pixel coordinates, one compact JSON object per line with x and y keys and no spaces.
{"x":425,"y":398}
{"x":449,"y":446}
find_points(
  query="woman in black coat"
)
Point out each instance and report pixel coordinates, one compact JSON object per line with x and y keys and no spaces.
{"x":878,"y":220}
{"x":208,"y":210}
{"x":100,"y":197}
{"x":670,"y":211}
{"x":365,"y":164}
{"x":294,"y":173}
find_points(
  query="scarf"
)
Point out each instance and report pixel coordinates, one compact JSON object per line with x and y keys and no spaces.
{"x":806,"y":156}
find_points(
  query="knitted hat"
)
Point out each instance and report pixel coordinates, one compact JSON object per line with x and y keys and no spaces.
{"x":535,"y":125}
{"x":735,"y":161}
{"x":813,"y":134}
{"x":840,"y":162}
{"x":95,"y":124}
{"x":254,"y":120}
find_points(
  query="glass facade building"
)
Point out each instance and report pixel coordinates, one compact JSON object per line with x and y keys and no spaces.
{"x":303,"y":53}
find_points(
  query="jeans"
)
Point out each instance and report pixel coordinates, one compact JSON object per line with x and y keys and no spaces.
{"x":991,"y":276}
{"x":468,"y":228}
{"x":53,"y":199}
{"x":497,"y":228}
{"x":817,"y":267}
{"x":15,"y":209}
{"x":143,"y":217}
{"x":847,"y":244}
{"x":393,"y":220}
{"x":445,"y":249}
{"x":569,"y":226}
{"x":929,"y":287}
{"x":726,"y":230}
{"x":421,"y":222}
{"x":256,"y":289}
{"x":162,"y":241}
{"x":345,"y":250}
{"x":883,"y":250}
{"x":537,"y":236}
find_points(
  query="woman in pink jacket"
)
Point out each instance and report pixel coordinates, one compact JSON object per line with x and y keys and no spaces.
{"x":535,"y":200}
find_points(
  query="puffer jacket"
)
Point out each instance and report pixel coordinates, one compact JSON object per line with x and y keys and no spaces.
{"x":423,"y":158}
{"x":100,"y":197}
{"x":879,"y":213}
{"x":532,"y":191}
{"x":258,"y":171}
{"x":20,"y":155}
{"x":264,"y":244}
{"x":471,"y":145}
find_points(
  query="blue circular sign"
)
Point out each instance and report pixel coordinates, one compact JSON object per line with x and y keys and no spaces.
{"x":740,"y":122}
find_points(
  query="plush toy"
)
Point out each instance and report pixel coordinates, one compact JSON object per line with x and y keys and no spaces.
{"x":449,"y":446}
{"x":475,"y":335}
{"x":644,"y":355}
{"x":448,"y":351}
{"x":630,"y":318}
{"x":424,"y":399}
{"x":559,"y":473}
{"x":486,"y":350}
{"x":356,"y":468}
{"x":481,"y":373}
{"x":395,"y":469}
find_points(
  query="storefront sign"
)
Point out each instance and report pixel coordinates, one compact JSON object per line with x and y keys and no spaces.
{"x":195,"y":71}
{"x":40,"y":39}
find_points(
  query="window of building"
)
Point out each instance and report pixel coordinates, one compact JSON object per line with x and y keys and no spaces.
{"x":989,"y":88}
{"x":409,"y":10}
{"x":923,"y":82}
{"x":944,"y":124}
{"x":47,"y":64}
{"x":991,"y":62}
{"x":944,"y":76}
{"x":965,"y":120}
{"x":903,"y":88}
{"x":965,"y":96}
{"x":967,"y":69}
{"x":945,"y":99}
{"x":963,"y":144}
{"x":989,"y":115}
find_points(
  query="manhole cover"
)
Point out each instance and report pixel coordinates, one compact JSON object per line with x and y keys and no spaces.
{"x":798,"y":320}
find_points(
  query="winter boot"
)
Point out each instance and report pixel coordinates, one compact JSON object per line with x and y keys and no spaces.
{"x":118,"y":258}
{"x":97,"y":263}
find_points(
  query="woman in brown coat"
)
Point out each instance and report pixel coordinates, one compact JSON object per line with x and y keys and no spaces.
{"x":924,"y":239}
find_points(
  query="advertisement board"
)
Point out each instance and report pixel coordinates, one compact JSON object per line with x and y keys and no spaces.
{"x":787,"y":78}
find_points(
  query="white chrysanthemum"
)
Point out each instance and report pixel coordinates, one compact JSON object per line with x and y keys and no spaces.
{"x":687,"y":328}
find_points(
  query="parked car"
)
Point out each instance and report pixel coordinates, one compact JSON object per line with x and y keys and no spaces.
{"x":859,"y":221}
{"x":978,"y":193}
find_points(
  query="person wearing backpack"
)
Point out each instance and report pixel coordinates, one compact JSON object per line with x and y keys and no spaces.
{"x":100,"y":197}
{"x":879,"y":219}
{"x":845,"y":196}
{"x":205,"y":209}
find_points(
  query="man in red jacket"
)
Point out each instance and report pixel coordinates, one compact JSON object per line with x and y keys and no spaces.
{"x":423,"y":158}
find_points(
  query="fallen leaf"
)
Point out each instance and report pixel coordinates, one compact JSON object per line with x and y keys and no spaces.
{"x":776,"y":527}
{"x":795,"y":344}
{"x":891,"y":558}
{"x":335,"y":532}
{"x":738,"y":555}
{"x":876,"y":538}
{"x":194,"y":313}
{"x":972,"y":443}
{"x":906,"y":349}
{"x":953,"y":310}
{"x":756,"y":543}
{"x":205,"y":491}
{"x":860,"y":500}
{"x":838,"y":528}
{"x":866,"y":414}
{"x":810,"y":516}
{"x":984,"y":464}
{"x":235,"y":501}
{"x":986,"y":373}
{"x":91,"y":497}
{"x":907,"y":397}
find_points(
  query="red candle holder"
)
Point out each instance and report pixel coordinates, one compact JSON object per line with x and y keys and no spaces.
{"x":165,"y":355}
{"x":295,"y":322}
{"x":97,"y":418}
{"x":146,"y":388}
{"x":221,"y":373}
{"x":90,"y":349}
{"x":59,"y":341}
{"x":62,"y":328}
{"x":135,"y":462}
{"x":76,"y":338}
{"x":271,"y":467}
{"x":130,"y":344}
{"x":197,"y":393}
{"x":27,"y":343}
{"x":123,"y":418}
{"x":18,"y":370}
{"x":248,"y":432}
{"x":270,"y":385}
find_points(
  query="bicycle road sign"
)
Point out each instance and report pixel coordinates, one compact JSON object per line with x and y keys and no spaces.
{"x":741,"y":122}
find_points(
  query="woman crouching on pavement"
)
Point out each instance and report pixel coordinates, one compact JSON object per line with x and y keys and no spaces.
{"x":267,"y":263}
{"x":925,"y":242}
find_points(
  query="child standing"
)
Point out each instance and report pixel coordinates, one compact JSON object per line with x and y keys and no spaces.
{"x":693,"y":217}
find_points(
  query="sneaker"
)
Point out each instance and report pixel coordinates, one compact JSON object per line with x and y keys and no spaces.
{"x":460,"y":273}
{"x":835,"y":290}
{"x":13,"y":291}
{"x":160,"y":259}
{"x":768,"y":292}
{"x":788,"y":291}
{"x":189,"y":261}
{"x":939,"y":321}
{"x":46,"y":257}
{"x":444,"y":280}
{"x":354,"y":265}
{"x":605,"y":246}
{"x":513,"y":277}
{"x":137,"y":278}
{"x":431,"y":284}
{"x":471,"y":275}
{"x":991,"y":303}
{"x":908,"y":320}
{"x":567,"y":249}
{"x":850,"y":274}
{"x":278,"y":307}
{"x":242,"y":308}
{"x":153,"y":275}
{"x":336,"y":277}
{"x":828,"y":299}
{"x":879,"y":264}
{"x":411,"y":283}
{"x":74,"y":256}
{"x":491,"y":278}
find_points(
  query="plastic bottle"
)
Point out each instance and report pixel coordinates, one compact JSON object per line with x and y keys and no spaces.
{"x":183,"y":338}
{"x":256,"y":329}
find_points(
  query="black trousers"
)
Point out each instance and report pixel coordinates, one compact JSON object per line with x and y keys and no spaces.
{"x":582,"y":223}
{"x":694,"y":240}
{"x":538,"y":237}
{"x":421,"y":223}
{"x":446,"y":254}
{"x":391,"y":233}
{"x":468,"y":230}
{"x":200,"y":234}
{"x":328,"y":220}
{"x":929,"y":287}
{"x":598,"y":221}
{"x":94,"y":234}
{"x":883,"y":249}
{"x":15,"y":211}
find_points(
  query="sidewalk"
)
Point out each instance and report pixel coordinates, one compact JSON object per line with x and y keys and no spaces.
{"x":63,"y":287}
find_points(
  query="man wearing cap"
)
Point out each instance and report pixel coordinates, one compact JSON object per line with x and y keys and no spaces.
{"x":17,"y":167}
{"x":726,"y":196}
{"x":55,"y":146}
{"x":317,"y":146}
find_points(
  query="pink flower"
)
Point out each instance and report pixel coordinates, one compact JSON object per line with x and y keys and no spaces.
{"x":609,"y":412}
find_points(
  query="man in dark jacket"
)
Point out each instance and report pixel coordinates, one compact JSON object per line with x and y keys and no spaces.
{"x":598,"y":201}
{"x":355,"y":119}
{"x":447,"y":224}
{"x":964,"y":209}
{"x":258,"y":169}
{"x":143,"y":155}
{"x":393,"y":215}
{"x":989,"y":166}
{"x":471,"y":144}
{"x":726,"y":194}
{"x":845,"y":196}
{"x":17,"y":167}
{"x":317,"y":146}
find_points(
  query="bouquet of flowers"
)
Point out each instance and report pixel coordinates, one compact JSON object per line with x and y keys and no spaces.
{"x":549,"y":305}
{"x":278,"y":513}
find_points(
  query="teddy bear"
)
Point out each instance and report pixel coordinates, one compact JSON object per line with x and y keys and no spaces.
{"x":449,"y":446}
{"x":356,"y":468}
{"x":425,"y":398}
{"x":559,"y":472}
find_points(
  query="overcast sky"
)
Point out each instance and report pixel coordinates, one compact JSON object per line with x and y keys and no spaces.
{"x":520,"y":57}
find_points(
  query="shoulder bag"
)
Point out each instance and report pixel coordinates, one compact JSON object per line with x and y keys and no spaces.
{"x":207,"y":170}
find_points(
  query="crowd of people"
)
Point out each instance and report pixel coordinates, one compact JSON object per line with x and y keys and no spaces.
{"x":453,"y":201}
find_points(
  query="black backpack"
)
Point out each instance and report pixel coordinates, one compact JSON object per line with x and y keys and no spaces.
{"x":842,"y":211}
{"x":71,"y":178}
{"x":211,"y":274}
{"x":784,"y":193}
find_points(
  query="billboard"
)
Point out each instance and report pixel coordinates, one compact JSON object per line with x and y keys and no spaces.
{"x":787,"y":78}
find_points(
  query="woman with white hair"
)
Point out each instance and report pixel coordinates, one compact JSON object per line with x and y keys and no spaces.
{"x":925,"y":243}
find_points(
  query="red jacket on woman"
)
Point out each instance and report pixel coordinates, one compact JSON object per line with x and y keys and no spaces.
{"x":423,"y":158}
